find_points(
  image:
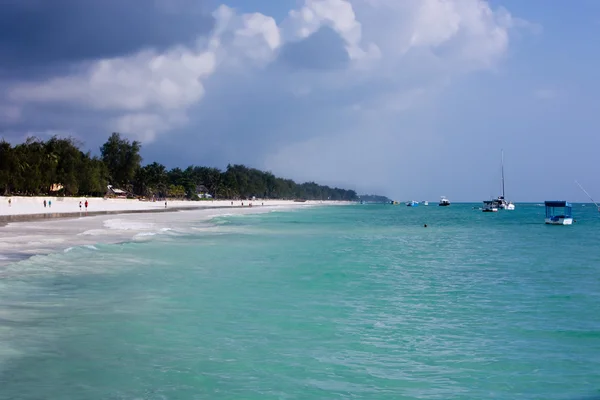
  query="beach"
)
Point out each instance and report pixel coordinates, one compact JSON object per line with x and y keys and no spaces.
{"x":19,"y":205}
{"x":27,"y":228}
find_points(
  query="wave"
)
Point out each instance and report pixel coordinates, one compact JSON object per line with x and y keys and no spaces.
{"x":144,"y":234}
{"x":127,"y":225}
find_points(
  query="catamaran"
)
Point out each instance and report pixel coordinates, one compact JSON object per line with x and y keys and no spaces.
{"x":501,"y":202}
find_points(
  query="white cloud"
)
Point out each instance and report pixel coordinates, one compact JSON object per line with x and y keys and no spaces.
{"x":468,"y":33}
{"x":148,"y":79}
{"x":435,"y":23}
{"x":336,"y":14}
{"x":248,"y":37}
{"x":424,"y":42}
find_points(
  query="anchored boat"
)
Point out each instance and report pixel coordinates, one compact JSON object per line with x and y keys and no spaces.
{"x":489,"y":206}
{"x":444,"y":202}
{"x":501,"y":202}
{"x":558,"y":213}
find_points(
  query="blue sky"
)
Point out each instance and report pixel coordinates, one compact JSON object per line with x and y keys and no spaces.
{"x":409,"y":98}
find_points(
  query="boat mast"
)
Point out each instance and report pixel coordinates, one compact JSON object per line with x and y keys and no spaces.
{"x":502,"y":151}
{"x":588,"y":195}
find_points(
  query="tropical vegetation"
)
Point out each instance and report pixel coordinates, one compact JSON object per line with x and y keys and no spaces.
{"x":59,"y":167}
{"x":374,"y":198}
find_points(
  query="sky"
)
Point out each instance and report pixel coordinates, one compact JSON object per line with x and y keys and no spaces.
{"x":413,"y":99}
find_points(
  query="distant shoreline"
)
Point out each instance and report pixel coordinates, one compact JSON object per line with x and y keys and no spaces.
{"x":7,"y":219}
{"x":27,"y":209}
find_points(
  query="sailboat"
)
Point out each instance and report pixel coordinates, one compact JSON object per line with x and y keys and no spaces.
{"x":588,"y":195}
{"x":501,"y":202}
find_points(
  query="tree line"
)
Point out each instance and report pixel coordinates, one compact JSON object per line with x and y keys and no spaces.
{"x":374,"y":198}
{"x":59,"y":167}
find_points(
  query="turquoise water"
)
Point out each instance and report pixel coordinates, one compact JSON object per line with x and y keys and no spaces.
{"x":357,"y":302}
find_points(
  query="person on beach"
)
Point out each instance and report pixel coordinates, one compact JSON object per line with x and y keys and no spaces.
{"x":86,"y":204}
{"x":80,"y":206}
{"x":44,"y":203}
{"x":165,"y":204}
{"x":10,"y":202}
{"x":49,"y":203}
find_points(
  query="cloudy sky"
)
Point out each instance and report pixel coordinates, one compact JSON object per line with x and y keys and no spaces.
{"x":409,"y":98}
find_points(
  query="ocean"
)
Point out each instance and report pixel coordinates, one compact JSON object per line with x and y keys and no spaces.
{"x":349,"y":302}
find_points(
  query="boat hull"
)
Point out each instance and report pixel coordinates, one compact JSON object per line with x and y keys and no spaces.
{"x":503,"y":205}
{"x":559,"y":221}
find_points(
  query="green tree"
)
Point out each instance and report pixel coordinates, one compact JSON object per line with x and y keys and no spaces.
{"x":66,"y":161}
{"x":176,"y":191}
{"x":93,"y":176}
{"x":34,"y":167}
{"x":31,"y":168}
{"x":152,"y":180}
{"x":122,"y":158}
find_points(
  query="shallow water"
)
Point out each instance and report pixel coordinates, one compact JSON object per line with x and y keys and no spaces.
{"x":323,"y":303}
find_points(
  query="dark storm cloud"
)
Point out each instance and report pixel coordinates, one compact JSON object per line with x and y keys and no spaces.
{"x":35,"y":34}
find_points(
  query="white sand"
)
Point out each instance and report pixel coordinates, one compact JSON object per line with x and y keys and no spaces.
{"x":20,"y":240}
{"x":35,"y":205}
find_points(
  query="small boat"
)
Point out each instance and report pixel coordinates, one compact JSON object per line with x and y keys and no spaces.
{"x":558,"y":213}
{"x":489,"y":206}
{"x":444,"y":202}
{"x":412,"y":203}
{"x":425,"y":203}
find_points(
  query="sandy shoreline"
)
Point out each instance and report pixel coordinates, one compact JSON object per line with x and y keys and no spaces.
{"x":27,"y":232}
{"x":21,"y":209}
{"x":16,"y":205}
{"x":8,"y":219}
